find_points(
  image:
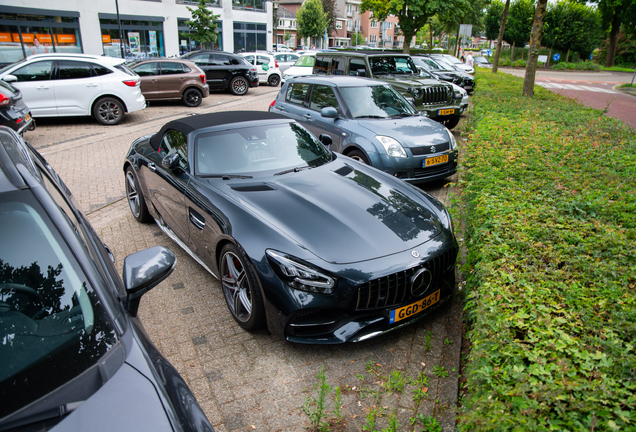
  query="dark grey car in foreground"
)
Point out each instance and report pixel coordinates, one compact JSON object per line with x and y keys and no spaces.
{"x":371,"y":122}
{"x":315,"y":246}
{"x":73,"y":354}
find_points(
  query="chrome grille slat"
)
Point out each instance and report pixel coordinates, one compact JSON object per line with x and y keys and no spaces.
{"x":394,"y":289}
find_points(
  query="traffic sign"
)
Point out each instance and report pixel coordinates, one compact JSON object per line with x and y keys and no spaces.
{"x":556,"y":57}
{"x":488,"y":51}
{"x":591,"y":56}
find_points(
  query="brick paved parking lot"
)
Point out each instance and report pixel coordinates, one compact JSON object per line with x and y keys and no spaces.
{"x":250,"y":381}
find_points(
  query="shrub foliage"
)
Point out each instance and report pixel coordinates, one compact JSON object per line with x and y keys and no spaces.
{"x":549,"y":201}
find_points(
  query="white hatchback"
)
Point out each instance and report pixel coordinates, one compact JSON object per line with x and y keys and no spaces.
{"x":268,"y":71}
{"x":61,"y":85}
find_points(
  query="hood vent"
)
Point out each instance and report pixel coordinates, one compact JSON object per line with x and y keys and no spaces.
{"x":344,"y":171}
{"x":253,"y":188}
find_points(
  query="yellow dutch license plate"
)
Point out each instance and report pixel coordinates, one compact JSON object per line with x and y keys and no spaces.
{"x":435,"y":160}
{"x":446,"y":111}
{"x":414,"y":308}
{"x":27,"y":117}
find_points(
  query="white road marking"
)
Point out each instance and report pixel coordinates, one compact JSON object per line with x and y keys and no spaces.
{"x":574,"y":87}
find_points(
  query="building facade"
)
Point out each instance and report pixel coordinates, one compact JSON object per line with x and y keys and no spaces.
{"x":150,"y":28}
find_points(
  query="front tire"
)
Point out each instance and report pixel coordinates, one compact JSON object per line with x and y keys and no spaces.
{"x":108,"y":111}
{"x":239,"y":85}
{"x":273,"y":80}
{"x":192,"y":97}
{"x":240,"y":289}
{"x":135,"y":197}
{"x":359,"y":156}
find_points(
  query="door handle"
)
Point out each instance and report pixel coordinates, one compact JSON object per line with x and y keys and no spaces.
{"x":307,"y":116}
{"x":43,"y":87}
{"x":182,"y":79}
{"x":196,"y":221}
{"x":91,"y":85}
{"x":152,"y":167}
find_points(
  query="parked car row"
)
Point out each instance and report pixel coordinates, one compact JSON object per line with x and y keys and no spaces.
{"x":276,"y":205}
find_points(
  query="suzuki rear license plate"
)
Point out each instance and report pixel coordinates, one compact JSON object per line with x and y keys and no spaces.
{"x":435,"y":160}
{"x":27,"y":117}
{"x":414,"y":308}
{"x":446,"y":111}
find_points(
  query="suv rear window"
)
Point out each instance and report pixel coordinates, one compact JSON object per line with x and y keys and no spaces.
{"x":125,"y":69}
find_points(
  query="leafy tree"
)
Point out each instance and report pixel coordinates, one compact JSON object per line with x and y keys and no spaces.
{"x":492,"y":20}
{"x":535,"y":44}
{"x":614,"y":13}
{"x":412,"y":14}
{"x":202,"y":24}
{"x":519,"y":24}
{"x":329,"y":7}
{"x":572,"y":26}
{"x":500,"y":35}
{"x":357,"y":39}
{"x":311,"y":19}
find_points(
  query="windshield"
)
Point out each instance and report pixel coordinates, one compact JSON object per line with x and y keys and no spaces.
{"x":52,"y":323}
{"x":258,"y":151}
{"x":306,"y":61}
{"x":392,"y":65}
{"x":376,"y":102}
{"x":450,"y":58}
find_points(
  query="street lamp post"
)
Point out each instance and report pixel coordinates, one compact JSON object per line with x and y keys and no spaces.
{"x":275,"y":5}
{"x":121,"y":36}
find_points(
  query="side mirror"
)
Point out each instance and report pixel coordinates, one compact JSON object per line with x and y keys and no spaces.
{"x":329,"y":112}
{"x":144,"y":270}
{"x":325,"y":140}
{"x":171,"y":161}
{"x":10,"y":78}
{"x":362,"y":72}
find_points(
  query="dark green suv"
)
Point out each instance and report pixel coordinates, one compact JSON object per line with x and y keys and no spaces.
{"x":437,"y":99}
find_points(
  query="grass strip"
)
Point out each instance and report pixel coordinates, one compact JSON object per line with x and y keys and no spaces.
{"x":549,"y":204}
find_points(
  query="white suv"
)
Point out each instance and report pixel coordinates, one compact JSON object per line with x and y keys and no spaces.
{"x":60,"y":85}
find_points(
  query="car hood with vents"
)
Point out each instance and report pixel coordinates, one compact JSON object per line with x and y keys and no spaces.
{"x":352,"y":214}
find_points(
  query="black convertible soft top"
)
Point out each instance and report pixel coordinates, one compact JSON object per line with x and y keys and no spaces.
{"x":191,"y":123}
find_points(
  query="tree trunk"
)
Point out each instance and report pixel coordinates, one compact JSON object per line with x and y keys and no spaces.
{"x":567,"y":56}
{"x":613,"y":39}
{"x":535,"y":44}
{"x":502,"y":29}
{"x":430,"y":31}
{"x":512,"y":52}
{"x":456,"y":50}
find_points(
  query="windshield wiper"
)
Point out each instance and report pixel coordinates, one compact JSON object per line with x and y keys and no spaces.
{"x":402,"y":115}
{"x":226,"y":176}
{"x":29,"y":418}
{"x":370,"y":116}
{"x":295,"y":169}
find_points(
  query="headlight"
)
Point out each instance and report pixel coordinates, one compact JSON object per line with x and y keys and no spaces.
{"x":451,"y":139}
{"x":300,"y":276}
{"x":392,"y":146}
{"x":449,"y":222}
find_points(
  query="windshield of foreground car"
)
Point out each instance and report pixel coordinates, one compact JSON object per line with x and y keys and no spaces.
{"x":258,"y":151}
{"x":376,"y":102}
{"x":392,"y":65}
{"x":52,"y":324}
{"x":306,"y":61}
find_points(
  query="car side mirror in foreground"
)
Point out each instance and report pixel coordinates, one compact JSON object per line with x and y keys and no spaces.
{"x":10,"y":78}
{"x":144,"y":270}
{"x":325,"y":140}
{"x":329,"y":112}
{"x":171,"y":161}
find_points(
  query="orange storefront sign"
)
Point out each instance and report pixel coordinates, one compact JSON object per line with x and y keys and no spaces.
{"x":105,"y":38}
{"x":42,"y":37}
{"x":5,"y":37}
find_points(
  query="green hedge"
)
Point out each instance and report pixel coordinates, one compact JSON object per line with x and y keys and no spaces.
{"x":549,"y":204}
{"x":586,"y":65}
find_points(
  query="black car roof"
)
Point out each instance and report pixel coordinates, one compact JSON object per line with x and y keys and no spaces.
{"x":338,"y":80}
{"x":364,"y":53}
{"x":192,"y":123}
